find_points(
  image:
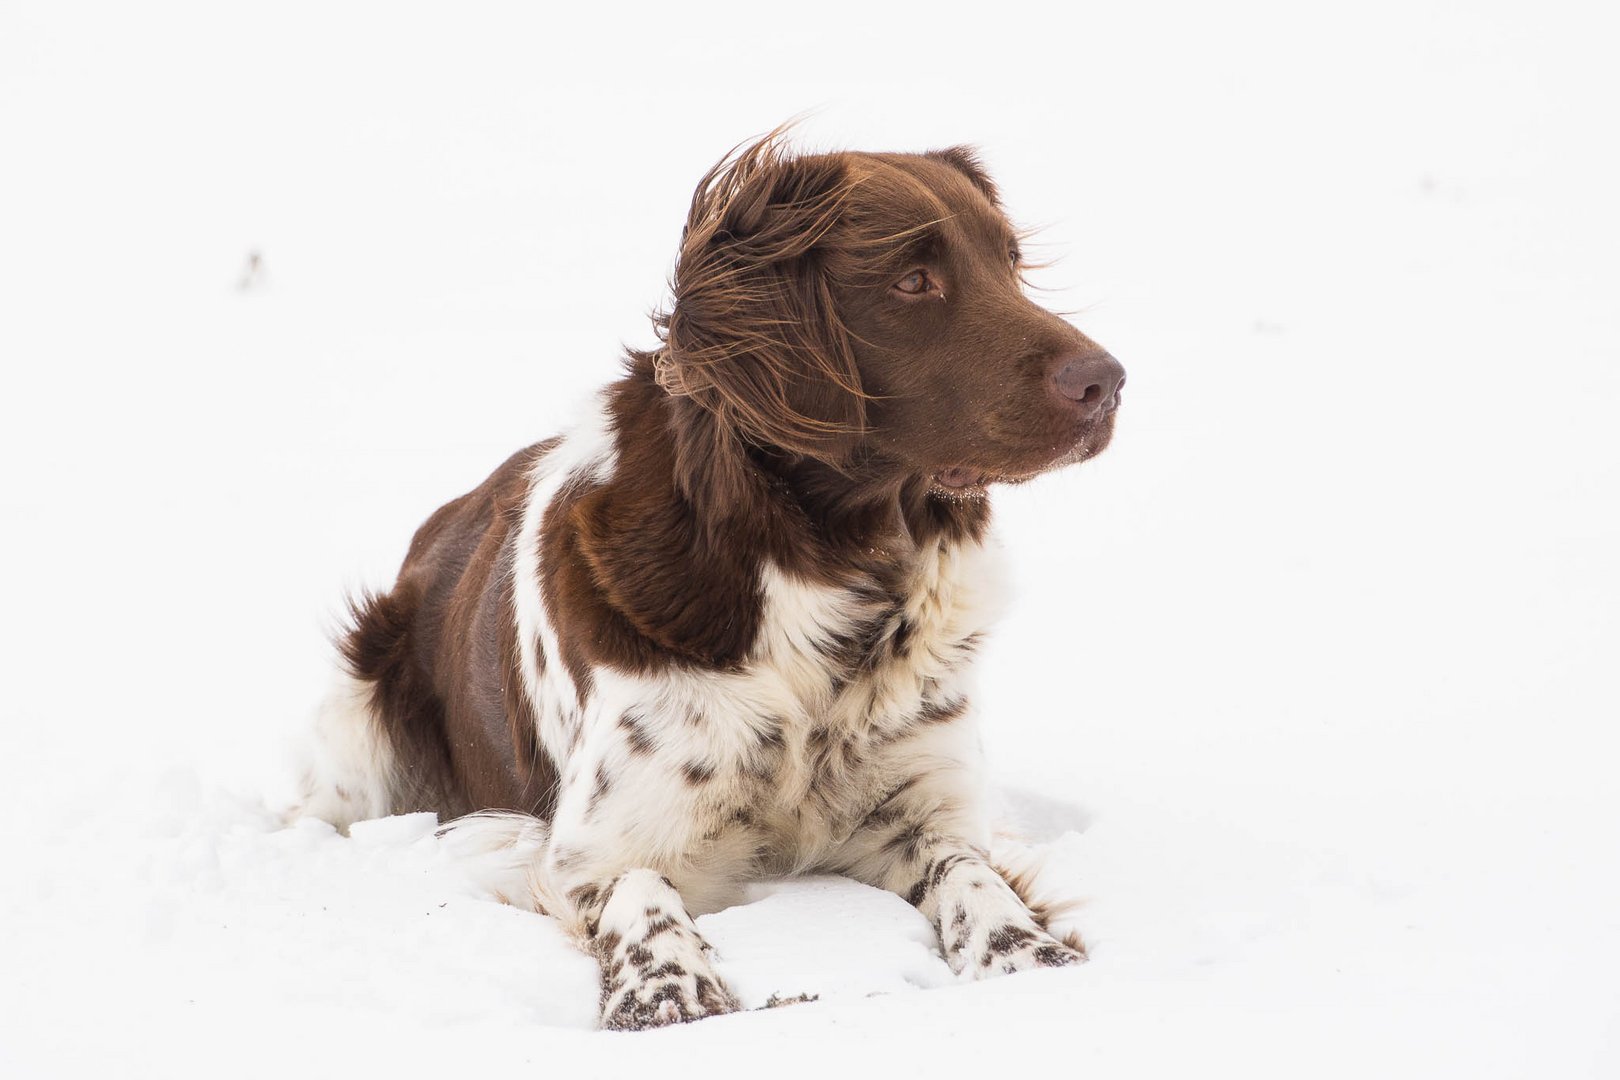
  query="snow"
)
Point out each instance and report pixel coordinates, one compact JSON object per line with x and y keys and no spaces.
{"x":1309,"y":690}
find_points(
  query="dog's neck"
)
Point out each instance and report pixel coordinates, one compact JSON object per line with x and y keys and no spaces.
{"x":691,"y":520}
{"x":849,"y":510}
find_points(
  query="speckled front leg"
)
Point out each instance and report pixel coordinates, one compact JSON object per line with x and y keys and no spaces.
{"x":913,"y":842}
{"x":985,"y":928}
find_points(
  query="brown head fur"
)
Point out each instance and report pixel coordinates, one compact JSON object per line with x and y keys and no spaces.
{"x":790,"y":331}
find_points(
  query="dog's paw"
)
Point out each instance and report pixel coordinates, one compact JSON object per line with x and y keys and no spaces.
{"x":643,"y":990}
{"x":1008,"y":949}
{"x":1011,"y":949}
{"x":656,"y":967}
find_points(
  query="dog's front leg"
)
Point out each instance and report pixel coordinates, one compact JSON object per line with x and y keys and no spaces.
{"x":656,"y":968}
{"x":984,"y":927}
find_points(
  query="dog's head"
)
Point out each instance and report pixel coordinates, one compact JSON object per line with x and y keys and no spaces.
{"x":869,"y":307}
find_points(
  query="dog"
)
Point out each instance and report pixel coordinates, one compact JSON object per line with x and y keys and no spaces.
{"x":724,"y":628}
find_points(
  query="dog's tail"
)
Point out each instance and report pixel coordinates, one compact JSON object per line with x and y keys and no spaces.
{"x":354,"y":766}
{"x":499,"y":851}
{"x":351,"y":768}
{"x":349,"y":765}
{"x":351,"y":773}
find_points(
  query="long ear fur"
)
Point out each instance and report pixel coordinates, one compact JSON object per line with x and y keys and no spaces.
{"x":965,"y":160}
{"x":754,"y":335}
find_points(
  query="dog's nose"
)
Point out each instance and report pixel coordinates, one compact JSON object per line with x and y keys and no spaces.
{"x":1092,"y":381}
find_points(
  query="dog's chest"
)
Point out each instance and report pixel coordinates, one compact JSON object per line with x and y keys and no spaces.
{"x":860,"y":676}
{"x":851,"y":694}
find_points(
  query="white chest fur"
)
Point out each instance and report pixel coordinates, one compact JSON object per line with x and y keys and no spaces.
{"x":847,"y":697}
{"x":877,"y":693}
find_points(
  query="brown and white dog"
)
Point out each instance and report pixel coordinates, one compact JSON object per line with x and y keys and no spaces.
{"x":724,"y":627}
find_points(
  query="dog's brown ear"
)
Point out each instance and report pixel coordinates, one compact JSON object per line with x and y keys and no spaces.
{"x":965,"y":160}
{"x":754,"y":335}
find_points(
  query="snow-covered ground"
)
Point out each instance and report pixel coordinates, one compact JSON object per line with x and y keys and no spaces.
{"x":1312,"y":682}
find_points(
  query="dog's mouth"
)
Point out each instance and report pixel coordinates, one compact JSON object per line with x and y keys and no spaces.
{"x":966,"y":482}
{"x":961,"y":480}
{"x":970,"y":481}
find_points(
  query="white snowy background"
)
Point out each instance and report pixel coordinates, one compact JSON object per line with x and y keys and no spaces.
{"x":1311,"y":684}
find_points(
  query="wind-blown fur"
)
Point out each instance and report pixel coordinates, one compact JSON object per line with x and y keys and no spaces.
{"x":725,"y":626}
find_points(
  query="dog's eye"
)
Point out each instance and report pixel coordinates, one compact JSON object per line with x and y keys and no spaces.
{"x":915,"y":283}
{"x":1015,"y":255}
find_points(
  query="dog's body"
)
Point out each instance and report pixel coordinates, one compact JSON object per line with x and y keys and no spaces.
{"x":724,"y":628}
